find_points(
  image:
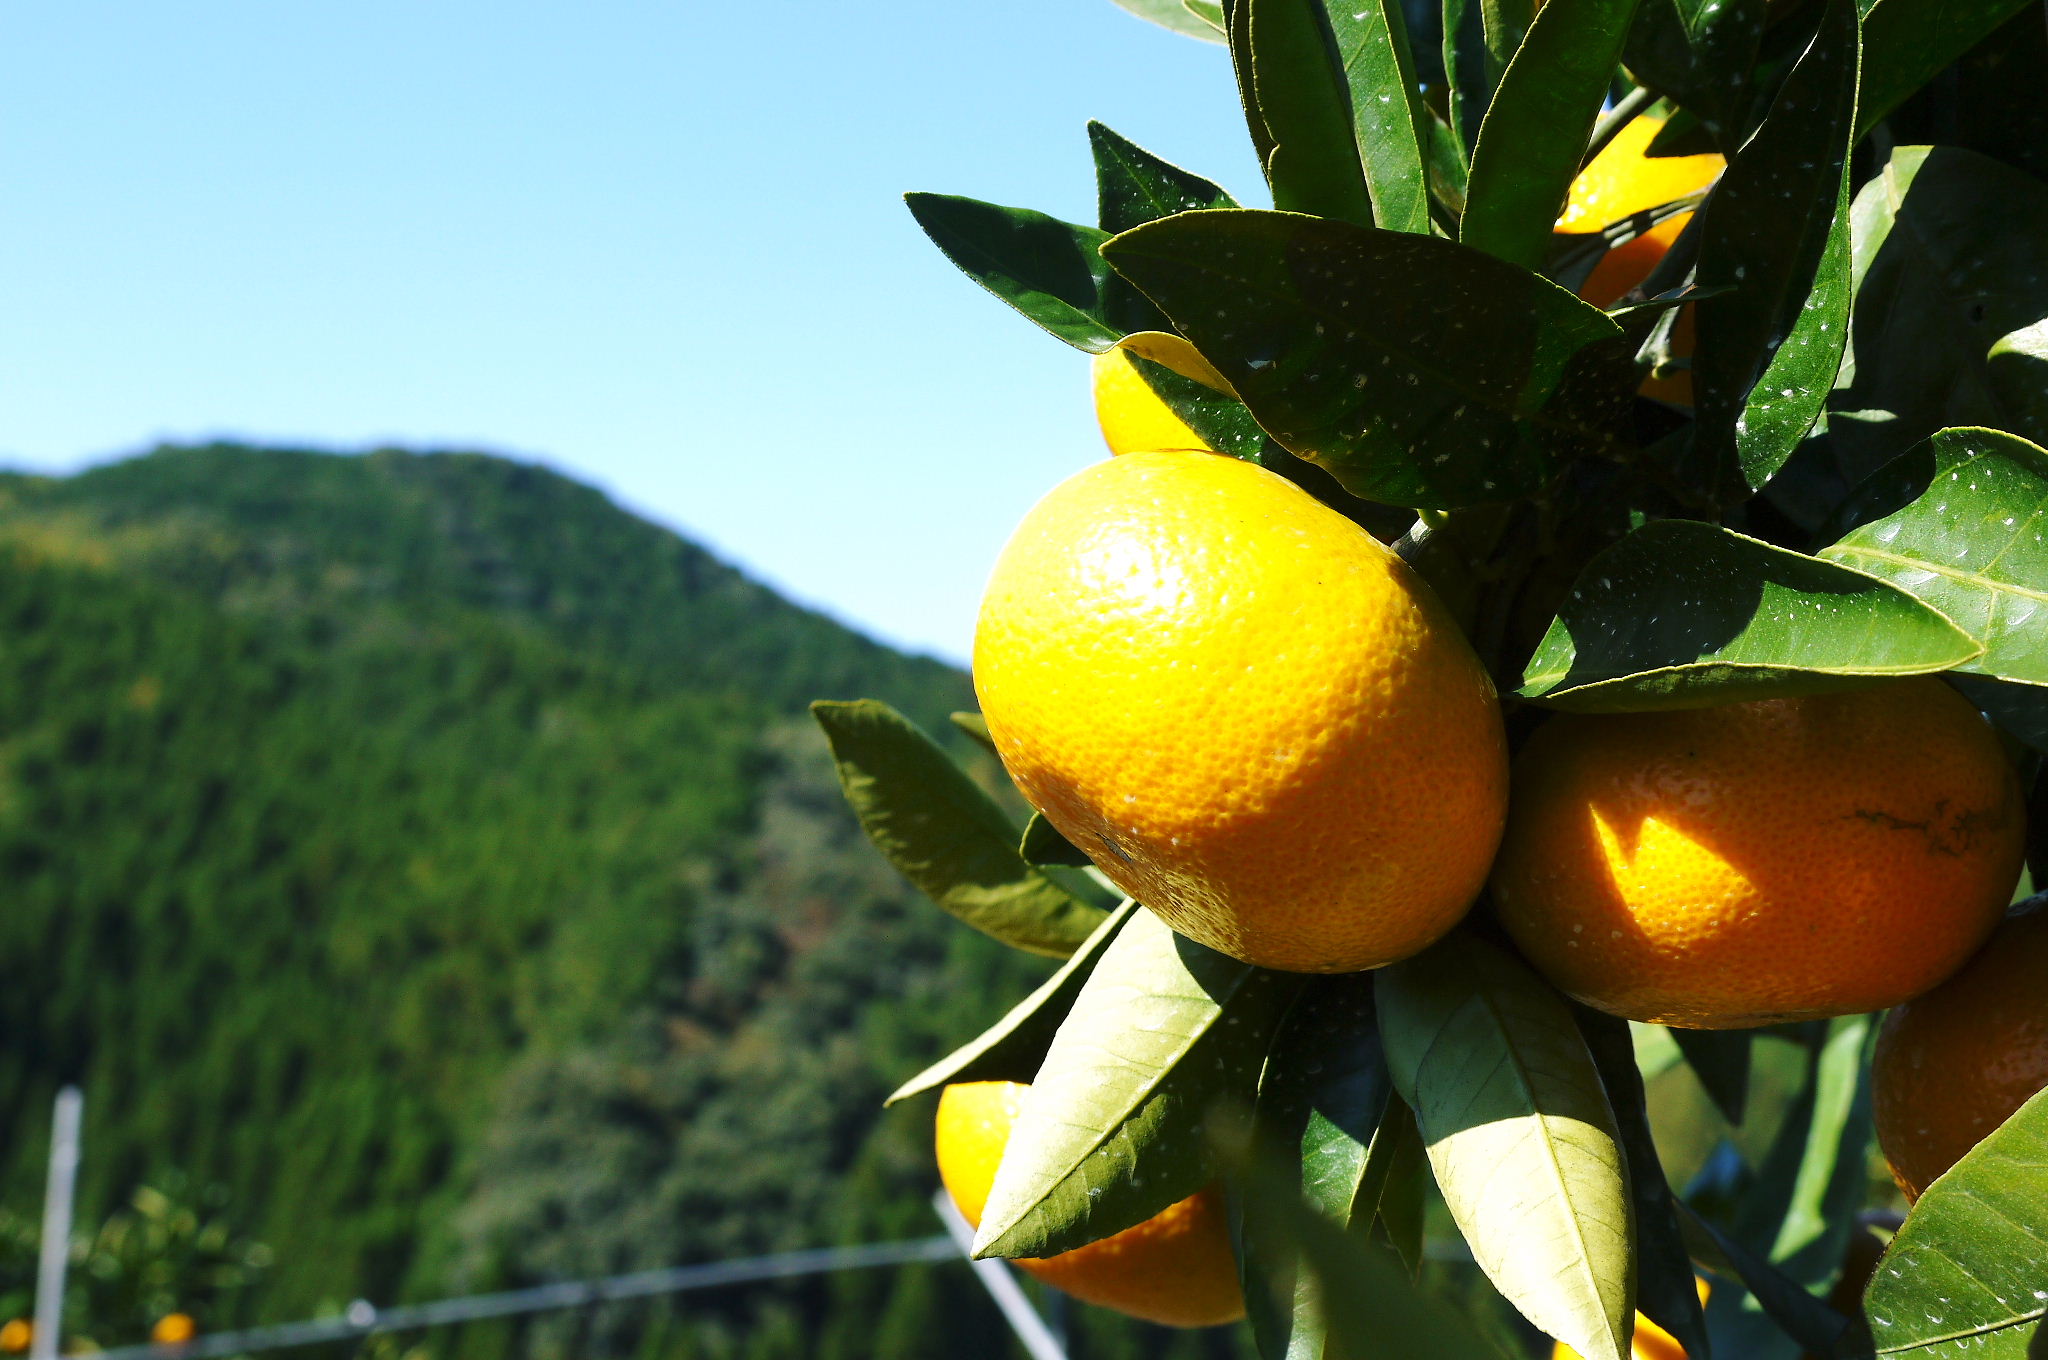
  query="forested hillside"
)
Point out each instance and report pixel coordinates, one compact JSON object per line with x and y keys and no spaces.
{"x":436,"y":857}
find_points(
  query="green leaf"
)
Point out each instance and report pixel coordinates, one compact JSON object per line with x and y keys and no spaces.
{"x":1359,"y":1301}
{"x":1961,"y":523}
{"x":1682,"y":614}
{"x":1665,"y":1290}
{"x":1777,"y":229}
{"x":1799,"y":1315}
{"x":1905,"y":42}
{"x":1950,"y":265}
{"x":1520,"y":1135}
{"x":1110,"y":1132}
{"x":1172,"y":14}
{"x":1313,"y":164}
{"x":1012,"y":1048}
{"x":944,"y":834}
{"x":1700,"y":53}
{"x":1133,"y":186}
{"x":1966,"y":1272}
{"x":1051,"y":271}
{"x":1322,"y":1101}
{"x":1045,"y":847}
{"x":975,"y":728}
{"x":1535,"y":132}
{"x":1388,"y":118}
{"x":1720,"y":1059}
{"x":1414,"y":370}
{"x":2019,"y":710}
{"x":1237,"y":29}
{"x":1818,"y":1211}
{"x":1210,"y":12}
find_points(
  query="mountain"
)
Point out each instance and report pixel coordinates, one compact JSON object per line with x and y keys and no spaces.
{"x":433,"y":862}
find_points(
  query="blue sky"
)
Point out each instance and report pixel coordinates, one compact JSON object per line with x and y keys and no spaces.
{"x":658,"y":246}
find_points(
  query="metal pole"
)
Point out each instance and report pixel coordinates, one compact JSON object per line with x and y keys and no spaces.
{"x":995,"y":1277}
{"x":56,"y":1246}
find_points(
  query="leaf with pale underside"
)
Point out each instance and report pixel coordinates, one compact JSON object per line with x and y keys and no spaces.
{"x":1012,"y":1048}
{"x":1683,"y":614}
{"x":944,"y":833}
{"x":1521,"y":1137}
{"x":1162,"y":1032}
{"x":1961,"y":523}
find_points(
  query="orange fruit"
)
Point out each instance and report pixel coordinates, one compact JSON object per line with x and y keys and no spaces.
{"x":1132,"y":415}
{"x":1954,"y":1064}
{"x":1248,"y":711}
{"x":1618,"y":183}
{"x":174,"y":1329}
{"x":1651,"y":1342}
{"x":1715,"y":868}
{"x":15,"y":1336}
{"x":1174,"y":1268}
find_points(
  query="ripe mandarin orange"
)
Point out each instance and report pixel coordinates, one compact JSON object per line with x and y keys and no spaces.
{"x":1132,"y":415}
{"x":1174,"y":1268}
{"x":1651,"y":1342}
{"x":1954,"y":1064}
{"x":174,"y":1329}
{"x":1248,"y":712}
{"x":1622,"y":181}
{"x":1716,"y":868}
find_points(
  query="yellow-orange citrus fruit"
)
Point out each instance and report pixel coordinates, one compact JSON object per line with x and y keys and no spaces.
{"x":1174,"y":1268}
{"x":1249,"y":712}
{"x":1954,"y":1064}
{"x":1651,"y":1341}
{"x":174,"y":1329}
{"x":1621,"y":181}
{"x":1132,"y":416}
{"x":15,"y":1336}
{"x":1715,"y":868}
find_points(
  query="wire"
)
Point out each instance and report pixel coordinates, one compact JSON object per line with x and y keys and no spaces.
{"x":363,"y":1319}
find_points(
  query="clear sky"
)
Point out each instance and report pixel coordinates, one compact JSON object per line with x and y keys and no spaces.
{"x":660,"y":246}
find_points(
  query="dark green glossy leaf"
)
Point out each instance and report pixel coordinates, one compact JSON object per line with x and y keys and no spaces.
{"x":1013,"y":1047}
{"x":1950,"y":264}
{"x":2020,"y":710}
{"x":1815,"y":1210}
{"x":1776,"y":231}
{"x":1404,"y":1192}
{"x":1720,"y":1059}
{"x":1520,"y":1134}
{"x":1132,"y":185}
{"x":1905,"y":42}
{"x":1051,"y":271}
{"x":1044,"y":846}
{"x":1966,"y":1273}
{"x":1109,"y":1134}
{"x":1321,"y":1103}
{"x":1237,"y":29}
{"x":1801,"y":1317}
{"x":1535,"y":132}
{"x":1305,"y":101}
{"x":1701,"y":53}
{"x":944,"y":834}
{"x":1665,"y":1291}
{"x":1388,"y":119}
{"x":1682,"y":614}
{"x":1210,"y":12}
{"x":1172,"y":14}
{"x":1414,"y":370}
{"x":1961,"y":523}
{"x":1469,"y":74}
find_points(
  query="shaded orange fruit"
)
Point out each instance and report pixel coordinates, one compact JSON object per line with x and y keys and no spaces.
{"x":1618,"y":183}
{"x":1954,"y":1064}
{"x":1174,"y":1268}
{"x":1651,"y":1342}
{"x":1788,"y":859}
{"x":1248,"y":711}
{"x":16,"y":1334}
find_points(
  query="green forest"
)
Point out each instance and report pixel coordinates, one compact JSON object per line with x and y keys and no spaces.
{"x":429,"y":873}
